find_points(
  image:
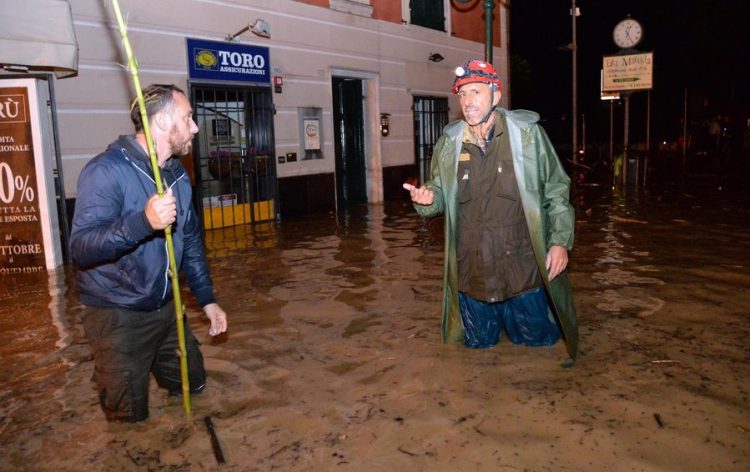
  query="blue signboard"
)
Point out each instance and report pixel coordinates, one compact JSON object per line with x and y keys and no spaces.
{"x":216,"y":60}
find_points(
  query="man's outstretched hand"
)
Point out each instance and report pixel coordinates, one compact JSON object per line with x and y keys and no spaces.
{"x":421,"y":195}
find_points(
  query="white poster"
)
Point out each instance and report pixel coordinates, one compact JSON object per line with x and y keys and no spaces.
{"x":312,"y":134}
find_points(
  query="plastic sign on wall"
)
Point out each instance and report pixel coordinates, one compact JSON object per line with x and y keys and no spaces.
{"x":29,"y":238}
{"x":221,"y":61}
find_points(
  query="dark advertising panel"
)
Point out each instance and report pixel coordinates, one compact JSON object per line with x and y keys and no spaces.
{"x":21,"y":239}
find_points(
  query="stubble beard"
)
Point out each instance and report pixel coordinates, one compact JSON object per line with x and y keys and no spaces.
{"x":177,"y":146}
{"x":473,"y":115}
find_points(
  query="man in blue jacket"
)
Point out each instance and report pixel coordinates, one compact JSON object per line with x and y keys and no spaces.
{"x":119,"y":245}
{"x":508,"y":222}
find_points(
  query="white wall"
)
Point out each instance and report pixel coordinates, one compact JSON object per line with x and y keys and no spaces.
{"x":307,"y":43}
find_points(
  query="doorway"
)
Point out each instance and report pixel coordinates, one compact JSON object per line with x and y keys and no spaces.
{"x":349,"y":141}
{"x":234,"y":166}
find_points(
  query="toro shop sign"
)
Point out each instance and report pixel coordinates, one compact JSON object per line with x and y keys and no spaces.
{"x":220,"y":61}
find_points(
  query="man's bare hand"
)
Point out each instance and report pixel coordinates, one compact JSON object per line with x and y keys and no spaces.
{"x":557,"y":261}
{"x":218,"y":318}
{"x":421,"y":195}
{"x":161,"y":211}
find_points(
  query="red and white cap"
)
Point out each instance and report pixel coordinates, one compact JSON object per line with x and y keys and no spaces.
{"x":476,"y":71}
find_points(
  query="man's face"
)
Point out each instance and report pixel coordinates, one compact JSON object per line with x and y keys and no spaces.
{"x":476,"y":100}
{"x":183,"y":127}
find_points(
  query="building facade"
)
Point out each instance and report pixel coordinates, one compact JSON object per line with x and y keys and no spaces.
{"x":303,"y":106}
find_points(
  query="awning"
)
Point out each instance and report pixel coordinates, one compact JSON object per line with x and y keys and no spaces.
{"x":38,"y":35}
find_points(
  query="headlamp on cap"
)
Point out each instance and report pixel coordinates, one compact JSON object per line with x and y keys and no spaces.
{"x":475,"y":71}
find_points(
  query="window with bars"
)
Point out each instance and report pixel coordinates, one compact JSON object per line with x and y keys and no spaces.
{"x":430,"y":117}
{"x":234,"y":155}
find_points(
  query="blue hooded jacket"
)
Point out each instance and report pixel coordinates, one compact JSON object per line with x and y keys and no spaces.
{"x":123,"y":262}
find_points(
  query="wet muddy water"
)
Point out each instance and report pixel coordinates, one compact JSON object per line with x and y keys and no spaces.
{"x":333,"y":359}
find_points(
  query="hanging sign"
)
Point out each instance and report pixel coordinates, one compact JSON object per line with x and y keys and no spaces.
{"x":222,"y":61}
{"x":26,"y":228}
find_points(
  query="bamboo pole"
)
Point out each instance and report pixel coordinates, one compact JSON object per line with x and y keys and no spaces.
{"x":133,"y":66}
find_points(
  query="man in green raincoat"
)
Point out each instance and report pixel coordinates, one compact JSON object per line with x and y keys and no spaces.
{"x":508,"y":222}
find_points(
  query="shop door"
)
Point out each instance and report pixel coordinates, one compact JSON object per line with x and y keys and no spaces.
{"x":430,"y":116}
{"x":235,"y":171}
{"x":348,"y":119}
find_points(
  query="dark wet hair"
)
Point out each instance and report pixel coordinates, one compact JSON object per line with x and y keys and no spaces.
{"x":157,"y":98}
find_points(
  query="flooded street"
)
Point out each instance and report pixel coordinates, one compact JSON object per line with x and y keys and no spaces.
{"x":333,"y":359}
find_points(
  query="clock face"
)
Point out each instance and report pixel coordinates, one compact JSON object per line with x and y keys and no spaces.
{"x":627,"y":33}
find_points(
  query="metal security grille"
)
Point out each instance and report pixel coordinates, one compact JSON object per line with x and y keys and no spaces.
{"x":235,"y":166}
{"x":430,"y":116}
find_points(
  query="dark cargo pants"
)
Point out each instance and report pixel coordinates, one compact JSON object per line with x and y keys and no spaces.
{"x":128,"y":345}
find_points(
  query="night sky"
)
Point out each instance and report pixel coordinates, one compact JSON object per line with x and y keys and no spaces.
{"x":701,"y":45}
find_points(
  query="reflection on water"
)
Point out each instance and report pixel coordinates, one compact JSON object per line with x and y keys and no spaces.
{"x":57,"y":307}
{"x":221,"y":242}
{"x":37,"y":324}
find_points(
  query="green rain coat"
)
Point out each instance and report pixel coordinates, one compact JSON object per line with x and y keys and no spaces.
{"x":544,"y":187}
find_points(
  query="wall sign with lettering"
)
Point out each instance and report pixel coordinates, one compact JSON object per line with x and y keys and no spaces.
{"x":223,"y":61}
{"x":29,"y":236}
